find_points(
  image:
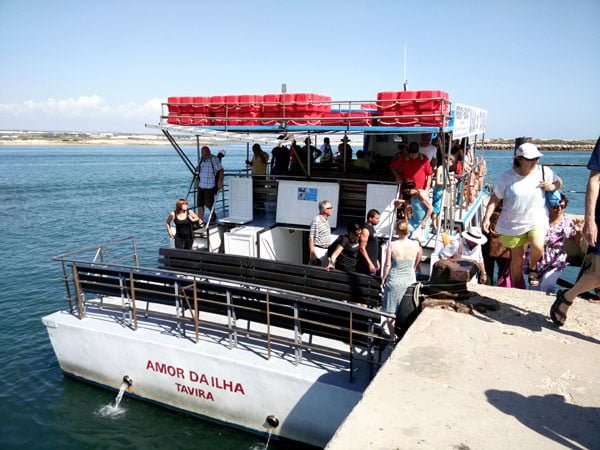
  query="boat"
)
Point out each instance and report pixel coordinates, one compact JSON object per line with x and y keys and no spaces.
{"x":240,"y":329}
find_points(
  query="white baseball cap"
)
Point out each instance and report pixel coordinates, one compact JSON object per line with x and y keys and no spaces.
{"x":528,"y":151}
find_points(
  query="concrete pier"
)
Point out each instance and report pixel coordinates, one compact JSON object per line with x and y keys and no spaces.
{"x":504,"y":380}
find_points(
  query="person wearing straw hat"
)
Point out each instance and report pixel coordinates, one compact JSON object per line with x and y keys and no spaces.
{"x":468,"y":247}
{"x":344,"y":152}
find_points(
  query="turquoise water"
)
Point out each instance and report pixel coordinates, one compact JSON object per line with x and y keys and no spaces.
{"x":57,"y":199}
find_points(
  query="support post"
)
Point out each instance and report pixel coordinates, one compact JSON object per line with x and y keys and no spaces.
{"x":522,"y":140}
{"x":78,"y":292}
{"x":133,"y":310}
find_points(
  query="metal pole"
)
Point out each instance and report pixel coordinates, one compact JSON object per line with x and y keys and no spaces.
{"x":132,"y":287}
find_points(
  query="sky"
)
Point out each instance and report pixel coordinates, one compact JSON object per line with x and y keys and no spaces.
{"x":85,"y":65}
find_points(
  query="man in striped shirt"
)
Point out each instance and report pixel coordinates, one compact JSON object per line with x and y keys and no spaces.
{"x":320,"y":235}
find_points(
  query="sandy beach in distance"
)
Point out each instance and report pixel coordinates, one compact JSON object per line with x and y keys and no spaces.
{"x":54,"y":138}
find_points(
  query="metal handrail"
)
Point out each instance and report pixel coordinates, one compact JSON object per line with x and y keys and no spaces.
{"x":296,"y":302}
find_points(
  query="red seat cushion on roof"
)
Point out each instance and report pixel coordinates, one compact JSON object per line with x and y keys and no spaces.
{"x":386,"y":100}
{"x":432,"y":103}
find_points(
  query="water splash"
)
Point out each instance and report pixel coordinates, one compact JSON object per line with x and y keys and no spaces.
{"x":113,"y":411}
{"x":262,"y":445}
{"x":268,"y":439}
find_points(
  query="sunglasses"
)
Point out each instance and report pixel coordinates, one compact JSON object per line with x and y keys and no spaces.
{"x":559,"y":206}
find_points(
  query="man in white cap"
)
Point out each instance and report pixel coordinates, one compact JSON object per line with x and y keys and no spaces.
{"x":467,"y":246}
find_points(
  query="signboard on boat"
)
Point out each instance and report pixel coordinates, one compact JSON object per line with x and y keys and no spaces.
{"x":298,"y":201}
{"x":468,"y":121}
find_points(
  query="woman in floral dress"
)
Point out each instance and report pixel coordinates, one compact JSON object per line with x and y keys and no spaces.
{"x":554,"y":260}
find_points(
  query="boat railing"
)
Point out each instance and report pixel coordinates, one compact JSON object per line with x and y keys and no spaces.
{"x":181,"y":298}
{"x":116,"y":251}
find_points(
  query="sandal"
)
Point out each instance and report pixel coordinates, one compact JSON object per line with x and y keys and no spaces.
{"x":555,"y":312}
{"x":533,"y":277}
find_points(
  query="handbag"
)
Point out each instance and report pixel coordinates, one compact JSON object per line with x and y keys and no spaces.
{"x":196,"y":224}
{"x":552,"y":198}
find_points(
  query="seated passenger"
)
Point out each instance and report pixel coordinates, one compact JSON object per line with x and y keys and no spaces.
{"x":326,"y":153}
{"x":554,"y":260}
{"x":360,"y":162}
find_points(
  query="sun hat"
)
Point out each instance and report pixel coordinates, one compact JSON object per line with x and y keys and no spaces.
{"x":474,"y":234}
{"x":528,"y":151}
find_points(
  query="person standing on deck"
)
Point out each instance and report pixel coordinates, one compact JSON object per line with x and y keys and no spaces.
{"x":280,"y":160}
{"x":590,"y":278}
{"x":346,"y":250}
{"x":183,"y":218}
{"x":420,"y":210}
{"x":344,"y":154}
{"x":414,"y":166}
{"x":210,"y":180}
{"x":524,"y":217}
{"x":399,"y":272}
{"x":368,"y":261}
{"x":320,"y":235}
{"x":429,"y":150}
{"x":439,"y":155}
{"x":259,"y":160}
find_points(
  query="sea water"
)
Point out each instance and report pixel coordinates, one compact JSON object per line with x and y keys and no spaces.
{"x":55,"y":199}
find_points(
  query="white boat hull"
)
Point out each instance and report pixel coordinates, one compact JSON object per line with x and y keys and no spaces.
{"x":238,"y":386}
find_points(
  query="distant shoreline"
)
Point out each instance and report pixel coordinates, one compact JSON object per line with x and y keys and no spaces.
{"x":54,"y":139}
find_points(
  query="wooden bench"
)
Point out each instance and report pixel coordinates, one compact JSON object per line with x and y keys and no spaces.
{"x":343,"y":286}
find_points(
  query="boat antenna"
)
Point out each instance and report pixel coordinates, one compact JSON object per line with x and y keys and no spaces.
{"x":405,"y":80}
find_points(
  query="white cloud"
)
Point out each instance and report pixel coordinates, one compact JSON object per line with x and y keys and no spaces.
{"x":70,"y":111}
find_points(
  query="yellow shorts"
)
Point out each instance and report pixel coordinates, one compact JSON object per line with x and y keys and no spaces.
{"x":519,"y":240}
